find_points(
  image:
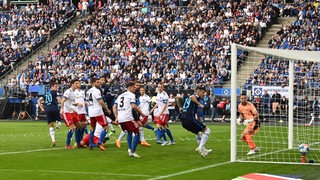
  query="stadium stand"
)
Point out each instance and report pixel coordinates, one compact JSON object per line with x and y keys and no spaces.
{"x":303,"y":34}
{"x":156,"y":41}
{"x":24,"y":29}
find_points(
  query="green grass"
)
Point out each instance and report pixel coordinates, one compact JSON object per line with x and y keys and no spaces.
{"x":156,"y":161}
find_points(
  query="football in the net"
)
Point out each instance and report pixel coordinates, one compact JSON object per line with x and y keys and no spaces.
{"x":304,"y":149}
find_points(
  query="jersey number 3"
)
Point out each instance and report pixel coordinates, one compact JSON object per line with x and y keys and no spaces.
{"x":121,"y":102}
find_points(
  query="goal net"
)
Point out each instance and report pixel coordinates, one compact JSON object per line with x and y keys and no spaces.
{"x":284,"y":87}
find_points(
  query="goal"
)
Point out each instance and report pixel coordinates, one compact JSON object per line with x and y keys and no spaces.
{"x":291,"y":79}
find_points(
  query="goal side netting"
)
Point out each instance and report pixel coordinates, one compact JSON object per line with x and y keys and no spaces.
{"x":284,"y":87}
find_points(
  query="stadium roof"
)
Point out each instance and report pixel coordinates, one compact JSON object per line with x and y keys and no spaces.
{"x":286,"y":54}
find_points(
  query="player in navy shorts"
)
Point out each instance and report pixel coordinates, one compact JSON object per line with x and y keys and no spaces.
{"x":190,"y":122}
{"x":51,"y":100}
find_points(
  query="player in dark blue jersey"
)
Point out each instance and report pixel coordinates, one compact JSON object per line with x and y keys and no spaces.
{"x":315,"y":110}
{"x":190,"y":121}
{"x":51,"y":100}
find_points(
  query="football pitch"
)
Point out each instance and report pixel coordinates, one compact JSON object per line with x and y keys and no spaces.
{"x":26,"y":153}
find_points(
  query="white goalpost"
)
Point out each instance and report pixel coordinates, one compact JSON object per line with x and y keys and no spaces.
{"x":286,"y":123}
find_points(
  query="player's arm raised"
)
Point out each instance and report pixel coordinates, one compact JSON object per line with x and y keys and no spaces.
{"x":40,"y":100}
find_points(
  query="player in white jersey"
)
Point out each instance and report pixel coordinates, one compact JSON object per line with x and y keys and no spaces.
{"x":163,"y":116}
{"x":144,"y":106}
{"x":81,"y":111}
{"x":68,"y":112}
{"x":95,"y":105}
{"x":122,"y":110}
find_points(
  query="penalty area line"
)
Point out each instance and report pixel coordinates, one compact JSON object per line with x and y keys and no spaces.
{"x":190,"y":171}
{"x":30,"y":151}
{"x":75,"y":172}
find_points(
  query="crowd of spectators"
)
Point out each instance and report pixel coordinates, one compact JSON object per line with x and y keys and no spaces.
{"x":23,"y":29}
{"x":154,"y":41}
{"x":303,"y":34}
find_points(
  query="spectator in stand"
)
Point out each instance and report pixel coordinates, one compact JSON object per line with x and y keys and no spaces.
{"x":258,"y":103}
{"x":172,"y":107}
{"x":221,"y":108}
{"x":84,"y":7}
{"x":125,"y":43}
{"x":284,"y":105}
{"x":25,"y":29}
{"x":275,"y":99}
{"x":227,"y":110}
{"x":266,"y":102}
{"x":207,"y":105}
{"x":2,"y":68}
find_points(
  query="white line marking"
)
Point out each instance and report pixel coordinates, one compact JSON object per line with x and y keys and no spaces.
{"x":29,"y":151}
{"x":190,"y":171}
{"x":36,"y":150}
{"x":265,"y":154}
{"x":76,"y":172}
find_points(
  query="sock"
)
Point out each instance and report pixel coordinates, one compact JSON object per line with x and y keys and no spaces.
{"x":129,"y":140}
{"x":141,"y":134}
{"x":102,"y":135}
{"x":52,"y":134}
{"x":149,"y":127}
{"x":250,"y":142}
{"x":91,"y":138}
{"x":110,"y":133}
{"x":77,"y":136}
{"x":122,"y":134}
{"x":169,"y":134}
{"x":163,"y":134}
{"x":81,"y":134}
{"x":312,"y":120}
{"x":159,"y":134}
{"x":204,"y":138}
{"x":69,"y":136}
{"x":111,"y":128}
{"x":135,"y":142}
{"x":198,"y":137}
{"x":85,"y":129}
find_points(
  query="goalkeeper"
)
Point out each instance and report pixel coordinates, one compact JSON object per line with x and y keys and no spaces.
{"x":250,"y":118}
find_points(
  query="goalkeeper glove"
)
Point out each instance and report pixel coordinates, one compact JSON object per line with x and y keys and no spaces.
{"x":239,"y":121}
{"x":247,"y":121}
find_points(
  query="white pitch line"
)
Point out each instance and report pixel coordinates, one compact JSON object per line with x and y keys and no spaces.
{"x":190,"y":171}
{"x":76,"y":172}
{"x":36,"y":150}
{"x":29,"y":151}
